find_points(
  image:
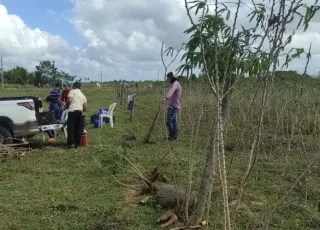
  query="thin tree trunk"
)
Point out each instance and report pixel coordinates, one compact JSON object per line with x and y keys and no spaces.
{"x":225,"y":102}
{"x":207,"y":180}
{"x":147,"y":138}
{"x":194,"y":135}
{"x":222,"y":167}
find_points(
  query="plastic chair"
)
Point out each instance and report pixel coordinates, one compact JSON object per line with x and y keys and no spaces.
{"x":109,"y":115}
{"x":64,"y":119}
{"x":54,"y":127}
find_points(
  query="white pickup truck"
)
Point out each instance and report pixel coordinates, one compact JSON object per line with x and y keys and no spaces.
{"x":18,"y":117}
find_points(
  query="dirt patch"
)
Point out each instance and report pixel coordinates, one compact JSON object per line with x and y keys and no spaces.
{"x":130,"y":200}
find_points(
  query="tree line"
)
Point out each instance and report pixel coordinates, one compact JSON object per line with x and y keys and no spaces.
{"x":46,"y":73}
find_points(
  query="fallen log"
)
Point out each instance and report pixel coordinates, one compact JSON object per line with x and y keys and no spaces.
{"x":171,"y":198}
{"x":167,"y":196}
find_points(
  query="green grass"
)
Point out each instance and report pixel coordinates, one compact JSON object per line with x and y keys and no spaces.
{"x":52,"y":187}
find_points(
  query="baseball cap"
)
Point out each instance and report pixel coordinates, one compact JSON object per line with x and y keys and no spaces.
{"x":66,"y":83}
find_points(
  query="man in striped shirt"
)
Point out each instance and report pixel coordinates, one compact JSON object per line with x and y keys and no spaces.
{"x":55,"y":105}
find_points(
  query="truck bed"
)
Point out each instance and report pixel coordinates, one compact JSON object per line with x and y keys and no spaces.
{"x":17,"y":98}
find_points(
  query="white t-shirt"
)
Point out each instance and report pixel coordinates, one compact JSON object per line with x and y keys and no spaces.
{"x":77,"y":100}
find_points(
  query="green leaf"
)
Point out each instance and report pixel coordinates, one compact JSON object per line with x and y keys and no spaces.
{"x":228,"y":15}
{"x":299,"y":51}
{"x":201,"y":5}
{"x":195,"y":5}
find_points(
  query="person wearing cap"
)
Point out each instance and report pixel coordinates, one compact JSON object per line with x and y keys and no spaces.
{"x":76,"y":104}
{"x":55,"y":106}
{"x":55,"y":101}
{"x":173,"y":96}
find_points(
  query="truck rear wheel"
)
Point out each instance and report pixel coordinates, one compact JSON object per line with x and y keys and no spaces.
{"x":5,"y":136}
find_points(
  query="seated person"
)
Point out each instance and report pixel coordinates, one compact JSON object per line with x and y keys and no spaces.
{"x":55,"y":105}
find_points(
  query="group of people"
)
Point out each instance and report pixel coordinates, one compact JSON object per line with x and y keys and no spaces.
{"x":72,"y":99}
{"x":75,"y":102}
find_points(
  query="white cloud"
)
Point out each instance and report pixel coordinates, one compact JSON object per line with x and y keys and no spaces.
{"x":124,"y":36}
{"x":130,"y":32}
{"x":21,"y":45}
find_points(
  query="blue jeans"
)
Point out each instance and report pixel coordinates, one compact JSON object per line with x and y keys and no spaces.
{"x":50,"y":133}
{"x":57,"y":110}
{"x":172,"y":122}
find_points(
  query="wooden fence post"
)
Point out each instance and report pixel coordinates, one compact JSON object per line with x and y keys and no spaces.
{"x":121,"y":94}
{"x":132,"y":108}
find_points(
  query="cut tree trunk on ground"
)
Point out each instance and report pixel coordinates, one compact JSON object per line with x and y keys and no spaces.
{"x":168,"y":197}
{"x":171,"y":198}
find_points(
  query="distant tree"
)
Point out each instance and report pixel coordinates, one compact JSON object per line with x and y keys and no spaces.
{"x":18,"y":75}
{"x":193,"y":77}
{"x":61,"y":75}
{"x":183,"y":79}
{"x":46,"y":73}
{"x":290,"y":75}
{"x":30,"y":78}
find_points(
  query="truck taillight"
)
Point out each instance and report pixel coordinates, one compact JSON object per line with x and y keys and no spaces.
{"x":28,"y":105}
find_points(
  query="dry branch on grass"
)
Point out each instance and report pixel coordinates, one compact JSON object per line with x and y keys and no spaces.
{"x":170,"y":198}
{"x":8,"y":151}
{"x":167,"y":196}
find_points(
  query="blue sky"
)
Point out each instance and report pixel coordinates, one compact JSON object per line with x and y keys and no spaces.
{"x":49,"y":15}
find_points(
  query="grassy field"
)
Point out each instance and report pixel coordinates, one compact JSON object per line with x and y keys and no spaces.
{"x":52,"y":187}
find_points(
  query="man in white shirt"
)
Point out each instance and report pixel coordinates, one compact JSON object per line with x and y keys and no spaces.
{"x":76,"y":103}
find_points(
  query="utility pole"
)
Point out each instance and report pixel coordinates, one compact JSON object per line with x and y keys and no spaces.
{"x":2,"y":80}
{"x":100,"y":74}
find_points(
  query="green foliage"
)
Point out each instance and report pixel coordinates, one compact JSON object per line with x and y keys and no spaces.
{"x":225,"y":53}
{"x":46,"y":73}
{"x":61,"y":75}
{"x":232,"y":51}
{"x":287,"y":75}
{"x":18,"y":75}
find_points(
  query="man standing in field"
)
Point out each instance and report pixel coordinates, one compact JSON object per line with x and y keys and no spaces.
{"x":77,"y":104}
{"x":173,"y":96}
